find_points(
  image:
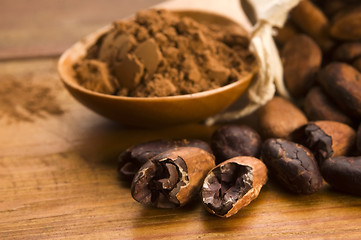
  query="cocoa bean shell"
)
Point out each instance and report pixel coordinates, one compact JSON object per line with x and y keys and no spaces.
{"x":342,"y":83}
{"x":292,"y":165}
{"x":343,"y":173}
{"x":279,"y":117}
{"x":192,"y":165}
{"x":256,"y":177}
{"x":301,"y":58}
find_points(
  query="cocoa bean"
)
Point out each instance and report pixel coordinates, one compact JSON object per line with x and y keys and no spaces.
{"x":301,"y":59}
{"x":342,"y":83}
{"x":172,"y":178}
{"x":232,"y":185}
{"x":343,"y":173}
{"x":231,"y":141}
{"x":279,"y":117}
{"x":326,"y":139}
{"x":346,"y":25}
{"x":318,"y":106}
{"x":292,"y":165}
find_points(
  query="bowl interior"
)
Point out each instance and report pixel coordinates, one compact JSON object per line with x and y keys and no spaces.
{"x":152,"y":111}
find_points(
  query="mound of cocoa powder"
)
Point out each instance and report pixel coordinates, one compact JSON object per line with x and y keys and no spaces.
{"x":160,"y":53}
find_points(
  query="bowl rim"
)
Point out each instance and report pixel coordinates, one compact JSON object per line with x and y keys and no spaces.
{"x":91,"y":38}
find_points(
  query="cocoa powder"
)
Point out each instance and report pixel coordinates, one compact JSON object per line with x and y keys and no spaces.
{"x":24,"y":100}
{"x":160,"y":53}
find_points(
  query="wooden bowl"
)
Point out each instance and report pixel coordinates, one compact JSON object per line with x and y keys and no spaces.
{"x":151,"y":111}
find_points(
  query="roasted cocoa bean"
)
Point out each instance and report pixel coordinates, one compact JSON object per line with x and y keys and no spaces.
{"x":130,"y":160}
{"x":347,"y":52}
{"x":346,"y":25}
{"x":307,"y":16}
{"x":318,"y":106}
{"x":343,"y":173}
{"x":326,"y":139}
{"x":231,"y":141}
{"x":279,"y":117}
{"x":172,"y":178}
{"x":342,"y":83}
{"x":301,"y":59}
{"x":292,"y":165}
{"x":232,"y":185}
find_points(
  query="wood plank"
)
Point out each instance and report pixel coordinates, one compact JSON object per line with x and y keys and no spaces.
{"x":43,"y":28}
{"x":59,"y":181}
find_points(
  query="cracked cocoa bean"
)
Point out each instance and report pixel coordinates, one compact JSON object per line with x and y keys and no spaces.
{"x":232,"y":185}
{"x":342,"y":83}
{"x":343,"y":173}
{"x":172,"y":178}
{"x":231,"y":141}
{"x":130,"y":160}
{"x":292,"y":165}
{"x":326,"y":139}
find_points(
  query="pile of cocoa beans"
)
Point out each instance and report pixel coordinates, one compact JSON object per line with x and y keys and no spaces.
{"x":317,"y":133}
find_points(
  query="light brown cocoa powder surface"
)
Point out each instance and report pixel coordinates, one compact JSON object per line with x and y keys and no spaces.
{"x":160,"y":53}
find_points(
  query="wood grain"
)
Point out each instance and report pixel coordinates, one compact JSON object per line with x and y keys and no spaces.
{"x":59,"y":181}
{"x":58,"y":175}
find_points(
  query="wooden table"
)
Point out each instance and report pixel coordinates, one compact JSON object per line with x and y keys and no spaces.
{"x":58,"y":176}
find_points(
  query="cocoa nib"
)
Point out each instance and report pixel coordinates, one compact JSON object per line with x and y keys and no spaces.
{"x":233,"y":184}
{"x":130,"y":160}
{"x":225,"y":185}
{"x":343,"y":173}
{"x":171,"y":178}
{"x":292,"y":165}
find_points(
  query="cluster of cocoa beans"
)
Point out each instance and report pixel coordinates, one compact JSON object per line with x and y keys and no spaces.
{"x":317,"y":134}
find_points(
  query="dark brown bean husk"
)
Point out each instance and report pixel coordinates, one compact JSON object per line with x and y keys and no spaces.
{"x":130,"y":160}
{"x":343,"y":173}
{"x":292,"y":165}
{"x":231,"y":141}
{"x":172,"y":178}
